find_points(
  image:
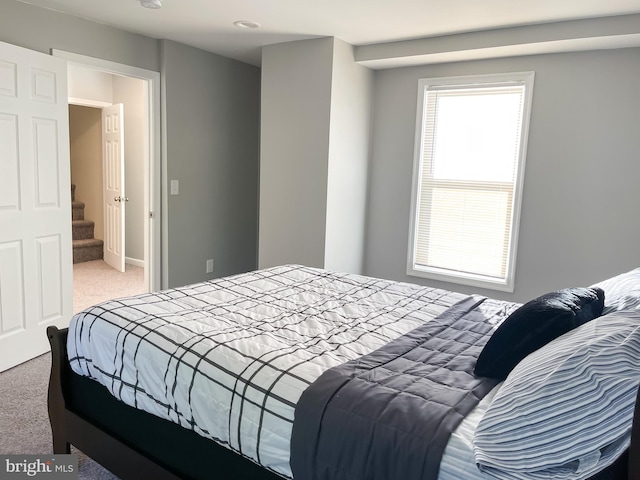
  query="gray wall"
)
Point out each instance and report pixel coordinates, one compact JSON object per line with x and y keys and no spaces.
{"x":347,"y":177}
{"x":210,"y":107}
{"x":212,"y":119}
{"x":41,"y":30}
{"x":579,"y":219}
{"x":295,"y":120}
{"x":315,"y":125}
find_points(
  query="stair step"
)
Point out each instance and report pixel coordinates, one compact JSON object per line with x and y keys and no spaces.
{"x":87,"y":249}
{"x":82,"y":229}
{"x":77,"y":210}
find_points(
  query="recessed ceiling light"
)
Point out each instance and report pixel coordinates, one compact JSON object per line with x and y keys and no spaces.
{"x":246,"y":24}
{"x":151,"y":3}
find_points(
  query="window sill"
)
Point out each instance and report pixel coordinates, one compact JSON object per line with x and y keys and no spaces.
{"x":461,"y":278}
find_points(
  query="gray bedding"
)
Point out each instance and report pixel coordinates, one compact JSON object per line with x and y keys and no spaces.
{"x":389,"y":414}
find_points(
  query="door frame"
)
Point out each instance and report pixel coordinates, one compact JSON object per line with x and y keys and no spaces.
{"x":152,"y":188}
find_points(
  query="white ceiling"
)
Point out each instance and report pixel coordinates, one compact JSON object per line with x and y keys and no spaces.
{"x":208,"y":24}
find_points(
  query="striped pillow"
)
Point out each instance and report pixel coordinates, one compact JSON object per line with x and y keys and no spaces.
{"x":565,"y":411}
{"x":621,"y":292}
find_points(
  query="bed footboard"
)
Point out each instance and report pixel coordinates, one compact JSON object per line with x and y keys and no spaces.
{"x":55,"y":399}
{"x":68,"y":428}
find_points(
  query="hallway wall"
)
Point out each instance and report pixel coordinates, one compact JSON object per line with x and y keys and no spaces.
{"x":131,"y":92}
{"x":86,"y":162}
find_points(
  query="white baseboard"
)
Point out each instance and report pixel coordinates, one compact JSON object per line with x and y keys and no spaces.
{"x":134,"y":261}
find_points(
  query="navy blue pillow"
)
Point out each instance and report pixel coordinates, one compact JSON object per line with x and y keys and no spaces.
{"x":535,"y":324}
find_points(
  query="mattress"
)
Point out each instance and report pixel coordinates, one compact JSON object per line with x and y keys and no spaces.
{"x":246,"y":347}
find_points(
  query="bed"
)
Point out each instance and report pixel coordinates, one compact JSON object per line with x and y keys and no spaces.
{"x":297,"y":372}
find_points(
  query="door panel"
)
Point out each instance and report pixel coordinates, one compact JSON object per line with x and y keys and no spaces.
{"x":36,"y":277}
{"x":113,"y":178}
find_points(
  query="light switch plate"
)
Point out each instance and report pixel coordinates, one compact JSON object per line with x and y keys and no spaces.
{"x":175,"y":187}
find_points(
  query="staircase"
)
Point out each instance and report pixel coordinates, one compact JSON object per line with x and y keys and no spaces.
{"x":85,"y":247}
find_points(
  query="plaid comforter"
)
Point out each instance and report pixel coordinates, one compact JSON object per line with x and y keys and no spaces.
{"x":230,"y":358}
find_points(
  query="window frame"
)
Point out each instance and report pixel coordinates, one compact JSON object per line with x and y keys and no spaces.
{"x":506,"y":284}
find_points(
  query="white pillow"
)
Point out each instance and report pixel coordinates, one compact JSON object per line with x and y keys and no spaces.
{"x":621,"y":292}
{"x":566,"y":410}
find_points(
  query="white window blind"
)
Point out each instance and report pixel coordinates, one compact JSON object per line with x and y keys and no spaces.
{"x":467,"y":180}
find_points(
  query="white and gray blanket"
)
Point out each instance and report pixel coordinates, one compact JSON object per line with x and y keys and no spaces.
{"x":230,"y":358}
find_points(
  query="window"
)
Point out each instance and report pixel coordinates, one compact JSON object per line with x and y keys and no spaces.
{"x":468,"y":174}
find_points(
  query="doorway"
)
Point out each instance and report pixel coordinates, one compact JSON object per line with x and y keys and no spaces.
{"x":95,"y":281}
{"x":87,"y":78}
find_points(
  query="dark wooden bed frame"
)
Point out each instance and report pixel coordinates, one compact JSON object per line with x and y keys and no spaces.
{"x":134,"y":459}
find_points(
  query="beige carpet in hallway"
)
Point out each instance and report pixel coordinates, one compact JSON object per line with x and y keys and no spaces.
{"x":95,"y":282}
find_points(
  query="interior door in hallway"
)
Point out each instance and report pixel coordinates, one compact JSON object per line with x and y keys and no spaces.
{"x":35,"y":202}
{"x":113,"y":188}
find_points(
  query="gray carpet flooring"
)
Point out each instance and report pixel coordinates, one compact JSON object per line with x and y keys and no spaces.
{"x":24,"y":421}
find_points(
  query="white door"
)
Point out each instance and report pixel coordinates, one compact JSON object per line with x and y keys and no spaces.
{"x":113,"y":185}
{"x":36,"y":273}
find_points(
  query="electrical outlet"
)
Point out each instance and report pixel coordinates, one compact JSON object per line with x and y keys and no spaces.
{"x":209,"y":265}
